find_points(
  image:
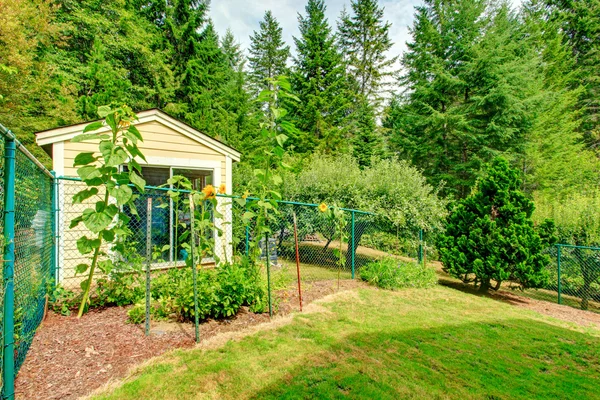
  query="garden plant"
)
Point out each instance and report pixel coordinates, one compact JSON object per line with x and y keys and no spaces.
{"x":99,"y":170}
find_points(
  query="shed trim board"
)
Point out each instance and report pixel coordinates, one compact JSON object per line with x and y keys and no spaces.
{"x":69,"y":132}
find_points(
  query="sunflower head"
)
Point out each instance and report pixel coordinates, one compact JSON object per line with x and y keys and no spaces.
{"x":209,"y":192}
{"x":323,"y":207}
{"x":222,"y":188}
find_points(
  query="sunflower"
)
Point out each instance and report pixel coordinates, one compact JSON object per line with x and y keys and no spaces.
{"x":323,"y":207}
{"x":222,"y":189}
{"x":245,"y":195}
{"x":209,"y":192}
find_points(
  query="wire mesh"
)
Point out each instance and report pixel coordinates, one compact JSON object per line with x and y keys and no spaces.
{"x":2,"y":241}
{"x":579,"y":277}
{"x":33,"y":250}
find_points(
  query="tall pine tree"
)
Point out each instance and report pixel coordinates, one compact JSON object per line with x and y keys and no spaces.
{"x":364,"y":36}
{"x":470,"y":90}
{"x":318,"y":81}
{"x":268,"y":52}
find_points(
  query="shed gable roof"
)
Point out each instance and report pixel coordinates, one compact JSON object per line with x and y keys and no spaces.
{"x":50,"y":136}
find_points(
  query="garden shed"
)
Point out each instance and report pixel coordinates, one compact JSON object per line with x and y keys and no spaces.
{"x":170,"y":147}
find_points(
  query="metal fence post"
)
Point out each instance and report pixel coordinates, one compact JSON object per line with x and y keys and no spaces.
{"x":247,"y":234}
{"x":420,"y":246}
{"x":148,"y":261}
{"x":352,"y":244}
{"x":558,"y":268}
{"x":8,"y":359}
{"x":194,"y":269}
{"x":55,"y":233}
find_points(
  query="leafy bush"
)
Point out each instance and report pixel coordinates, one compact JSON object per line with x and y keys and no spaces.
{"x":137,"y":314}
{"x":120,"y":289}
{"x":391,"y":273}
{"x":62,"y":300}
{"x":221,"y":292}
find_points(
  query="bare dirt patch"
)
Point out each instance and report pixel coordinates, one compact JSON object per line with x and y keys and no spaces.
{"x":558,"y":311}
{"x":562,"y":312}
{"x":71,"y":357}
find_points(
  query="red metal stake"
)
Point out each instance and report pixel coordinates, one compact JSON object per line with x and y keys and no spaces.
{"x":297,"y":260}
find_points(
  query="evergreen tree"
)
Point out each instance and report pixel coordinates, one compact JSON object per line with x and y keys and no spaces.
{"x":318,"y":81}
{"x":203,"y":83}
{"x":471,"y":90}
{"x":268,"y":53}
{"x":490,"y":235}
{"x":579,"y":22}
{"x":555,"y":161}
{"x":364,"y":36}
{"x":366,"y":142}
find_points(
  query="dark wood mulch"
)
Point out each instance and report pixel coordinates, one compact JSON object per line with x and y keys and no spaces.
{"x":71,"y":357}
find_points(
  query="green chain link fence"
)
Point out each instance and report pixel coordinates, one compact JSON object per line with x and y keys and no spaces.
{"x":574,"y":277}
{"x":28,"y":258}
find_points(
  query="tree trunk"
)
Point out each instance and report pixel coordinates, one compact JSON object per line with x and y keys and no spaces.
{"x":484,"y":287}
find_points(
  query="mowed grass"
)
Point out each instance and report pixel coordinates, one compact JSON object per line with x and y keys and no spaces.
{"x":435,"y":343}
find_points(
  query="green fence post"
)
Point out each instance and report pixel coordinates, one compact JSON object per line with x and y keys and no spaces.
{"x":420,"y":246}
{"x":55,"y":233}
{"x":558,"y":267}
{"x":8,"y":323}
{"x":194,"y":269}
{"x":268,"y":274}
{"x":352,"y":244}
{"x":148,"y":261}
{"x":247,"y":235}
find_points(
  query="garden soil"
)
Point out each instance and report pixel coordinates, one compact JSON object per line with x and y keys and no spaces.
{"x":71,"y":357}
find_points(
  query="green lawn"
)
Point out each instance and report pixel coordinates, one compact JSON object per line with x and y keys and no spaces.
{"x":374,"y":344}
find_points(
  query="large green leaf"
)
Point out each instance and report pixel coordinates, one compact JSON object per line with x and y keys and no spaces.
{"x":84,"y":159}
{"x":83,"y":195}
{"x":106,"y":148}
{"x":93,"y":126}
{"x":137,"y":180}
{"x":85,"y":245}
{"x":103,"y":111}
{"x":122,"y":194}
{"x":88,"y":172}
{"x":97,"y":221}
{"x":118,"y":157}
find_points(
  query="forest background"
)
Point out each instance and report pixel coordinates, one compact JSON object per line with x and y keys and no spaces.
{"x":479,"y":79}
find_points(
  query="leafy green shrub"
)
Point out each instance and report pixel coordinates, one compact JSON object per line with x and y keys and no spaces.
{"x":137,"y":314}
{"x":62,"y":300}
{"x":119,"y":290}
{"x":391,"y":273}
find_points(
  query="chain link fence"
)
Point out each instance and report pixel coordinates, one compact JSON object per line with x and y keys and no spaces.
{"x":28,"y":257}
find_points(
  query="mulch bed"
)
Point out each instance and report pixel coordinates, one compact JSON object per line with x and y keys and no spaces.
{"x":71,"y":357}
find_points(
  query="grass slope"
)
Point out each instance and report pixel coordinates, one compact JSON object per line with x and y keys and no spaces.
{"x":374,"y":344}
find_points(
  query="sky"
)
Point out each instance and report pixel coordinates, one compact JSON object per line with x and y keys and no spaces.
{"x":243,"y":16}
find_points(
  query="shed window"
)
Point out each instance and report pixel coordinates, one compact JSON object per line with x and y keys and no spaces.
{"x":168,"y":222}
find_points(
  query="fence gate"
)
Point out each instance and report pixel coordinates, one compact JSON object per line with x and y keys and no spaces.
{"x":27,"y":226}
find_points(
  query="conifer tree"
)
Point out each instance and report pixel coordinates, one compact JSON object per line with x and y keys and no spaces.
{"x":318,"y":81}
{"x":268,"y":53}
{"x":490,"y":235}
{"x":579,"y":22}
{"x":471,"y":90}
{"x":364,"y":36}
